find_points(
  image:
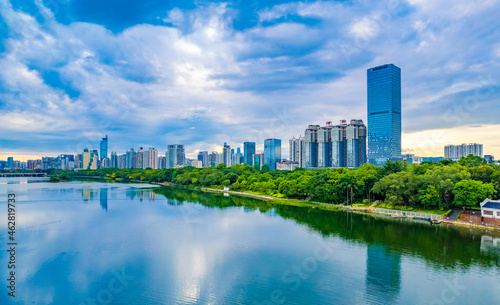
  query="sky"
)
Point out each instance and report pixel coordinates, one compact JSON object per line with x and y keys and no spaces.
{"x":200,"y":73}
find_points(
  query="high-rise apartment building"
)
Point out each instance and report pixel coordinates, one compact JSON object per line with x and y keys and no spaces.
{"x":298,"y":151}
{"x":248,"y":151}
{"x":104,"y":148}
{"x":455,"y":152}
{"x":272,"y":152}
{"x":311,"y":144}
{"x":339,"y":145}
{"x":203,"y":157}
{"x":226,"y":151}
{"x":130,"y":158}
{"x":152,"y":158}
{"x":175,"y":155}
{"x":355,"y":144}
{"x":139,"y":158}
{"x":324,"y":136}
{"x":384,"y":114}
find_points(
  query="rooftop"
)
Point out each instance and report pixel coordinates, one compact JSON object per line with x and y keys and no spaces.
{"x":491,"y":204}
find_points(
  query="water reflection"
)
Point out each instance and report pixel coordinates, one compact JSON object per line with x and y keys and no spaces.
{"x":383,"y":275}
{"x":233,"y":250}
{"x":103,"y":198}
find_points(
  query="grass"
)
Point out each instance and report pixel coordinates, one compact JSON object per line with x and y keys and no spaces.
{"x":410,"y":209}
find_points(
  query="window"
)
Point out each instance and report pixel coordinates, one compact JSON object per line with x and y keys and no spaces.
{"x":485,"y":212}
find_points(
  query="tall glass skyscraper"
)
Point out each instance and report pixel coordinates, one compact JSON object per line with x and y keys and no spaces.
{"x":248,"y":151}
{"x":384,"y":114}
{"x":272,"y":152}
{"x":104,"y":147}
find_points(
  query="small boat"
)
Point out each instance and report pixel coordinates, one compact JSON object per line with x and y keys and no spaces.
{"x":422,"y":218}
{"x":435,"y":221}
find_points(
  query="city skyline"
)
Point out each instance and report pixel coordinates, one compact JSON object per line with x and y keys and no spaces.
{"x":236,"y":72}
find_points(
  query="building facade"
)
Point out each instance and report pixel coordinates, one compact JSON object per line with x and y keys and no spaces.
{"x":455,"y":152}
{"x":298,"y":151}
{"x":104,"y":148}
{"x":355,"y":144}
{"x":175,"y":155}
{"x":311,"y":145}
{"x":384,"y":114}
{"x":324,"y":136}
{"x":248,"y":152}
{"x":272,"y":152}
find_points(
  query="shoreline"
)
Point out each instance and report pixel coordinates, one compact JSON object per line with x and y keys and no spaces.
{"x":340,"y":207}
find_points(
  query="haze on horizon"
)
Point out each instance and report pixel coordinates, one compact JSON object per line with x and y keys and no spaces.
{"x":200,"y":73}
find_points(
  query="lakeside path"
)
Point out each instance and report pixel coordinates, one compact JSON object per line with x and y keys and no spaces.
{"x":327,"y":206}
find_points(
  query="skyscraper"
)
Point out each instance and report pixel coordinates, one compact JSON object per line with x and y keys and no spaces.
{"x":175,"y":155}
{"x":248,"y":151}
{"x":130,"y":158}
{"x":297,"y":151}
{"x":203,"y":157}
{"x":339,"y":149}
{"x":226,"y":151}
{"x":139,"y":159}
{"x":356,"y":143}
{"x":384,"y":114}
{"x":272,"y":152}
{"x":311,"y":143}
{"x":104,"y":147}
{"x":324,"y":145}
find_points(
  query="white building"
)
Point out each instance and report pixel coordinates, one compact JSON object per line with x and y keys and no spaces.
{"x":490,"y":208}
{"x":455,"y":152}
{"x":286,"y":166}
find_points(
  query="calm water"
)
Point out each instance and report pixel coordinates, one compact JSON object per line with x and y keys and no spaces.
{"x":103,"y":243}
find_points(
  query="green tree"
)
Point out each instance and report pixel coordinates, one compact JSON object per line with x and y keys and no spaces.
{"x":265,"y":168}
{"x":429,"y":196}
{"x":471,"y":161}
{"x":471,"y":192}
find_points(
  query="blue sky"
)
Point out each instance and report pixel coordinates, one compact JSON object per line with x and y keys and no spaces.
{"x":201,"y":73}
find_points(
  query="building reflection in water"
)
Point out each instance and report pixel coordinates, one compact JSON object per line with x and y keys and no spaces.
{"x":142,"y":194}
{"x":383,"y":275}
{"x":103,"y":198}
{"x":491,"y":245}
{"x":88,"y":193}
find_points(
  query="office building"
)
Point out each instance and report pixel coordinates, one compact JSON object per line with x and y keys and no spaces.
{"x":104,"y":147}
{"x":175,"y":155}
{"x":384,"y":114}
{"x":311,"y":145}
{"x":455,"y":152}
{"x":272,"y":152}
{"x":298,"y":151}
{"x":258,"y":161}
{"x":10,"y":162}
{"x":324,"y":136}
{"x":248,"y":151}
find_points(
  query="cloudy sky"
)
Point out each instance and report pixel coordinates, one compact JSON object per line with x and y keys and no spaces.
{"x":201,"y":73}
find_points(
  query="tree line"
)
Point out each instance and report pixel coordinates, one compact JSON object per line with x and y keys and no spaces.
{"x":442,"y":184}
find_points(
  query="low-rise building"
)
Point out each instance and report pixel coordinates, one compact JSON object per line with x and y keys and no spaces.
{"x":286,"y":166}
{"x":491,"y":209}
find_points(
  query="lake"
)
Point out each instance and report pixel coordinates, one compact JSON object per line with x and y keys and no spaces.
{"x":111,"y":243}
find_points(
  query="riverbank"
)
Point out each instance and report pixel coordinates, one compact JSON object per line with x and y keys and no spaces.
{"x":371,"y":210}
